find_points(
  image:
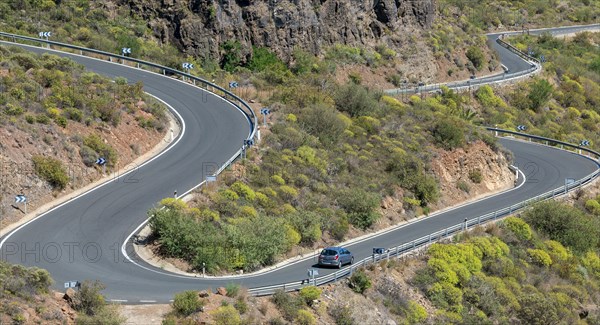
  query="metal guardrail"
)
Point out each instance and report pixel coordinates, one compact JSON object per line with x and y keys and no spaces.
{"x":467,"y":84}
{"x":424,"y":241}
{"x":208,"y":86}
{"x":399,"y":250}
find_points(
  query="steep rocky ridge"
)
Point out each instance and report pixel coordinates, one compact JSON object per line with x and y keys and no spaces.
{"x":200,"y":28}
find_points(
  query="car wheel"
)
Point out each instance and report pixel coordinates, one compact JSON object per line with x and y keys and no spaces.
{"x":352,"y":260}
{"x":339,"y":266}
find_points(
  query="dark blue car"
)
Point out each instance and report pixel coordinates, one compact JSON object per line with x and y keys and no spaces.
{"x":335,"y":256}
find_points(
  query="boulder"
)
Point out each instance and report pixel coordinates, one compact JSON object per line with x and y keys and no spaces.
{"x":69,"y":295}
{"x":203,"y":294}
{"x":222,"y":291}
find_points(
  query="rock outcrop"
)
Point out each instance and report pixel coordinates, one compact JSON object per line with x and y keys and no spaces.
{"x":201,"y":27}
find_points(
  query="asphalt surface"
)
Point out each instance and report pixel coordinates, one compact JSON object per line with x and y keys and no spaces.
{"x":82,"y":239}
{"x":516,"y":65}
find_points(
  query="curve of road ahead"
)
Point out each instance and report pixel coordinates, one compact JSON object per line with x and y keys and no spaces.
{"x":82,"y":239}
{"x":515,"y":65}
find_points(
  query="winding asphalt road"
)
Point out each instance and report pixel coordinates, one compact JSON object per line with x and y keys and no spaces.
{"x":515,"y":65}
{"x":82,"y":238}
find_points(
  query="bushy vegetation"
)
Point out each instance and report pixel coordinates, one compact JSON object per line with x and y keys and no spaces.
{"x":51,"y":170}
{"x":564,"y":102}
{"x":187,"y":302}
{"x":46,"y":88}
{"x":25,"y":291}
{"x":310,"y":293}
{"x":325,"y":168}
{"x":359,"y":281}
{"x":92,"y":307}
{"x":568,"y":225}
{"x":513,"y":272}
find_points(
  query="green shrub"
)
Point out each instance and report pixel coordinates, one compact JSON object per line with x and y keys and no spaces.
{"x":244,"y":190}
{"x":557,"y":251}
{"x":359,"y":281}
{"x":323,"y":122}
{"x":287,"y":193}
{"x":13,"y":110}
{"x":539,"y":257}
{"x":463,"y":186}
{"x":539,"y":94}
{"x":591,"y":261}
{"x":518,"y":227}
{"x":415,"y":313}
{"x":287,"y":304}
{"x":354,"y":100}
{"x":187,"y":302}
{"x":61,"y":121}
{"x":342,"y":315}
{"x":446,"y":296}
{"x":88,"y":299}
{"x":30,"y":118}
{"x":360,"y":206}
{"x":42,"y":119}
{"x":226,"y":315}
{"x":305,"y":317}
{"x":537,"y":308}
{"x":475,"y":176}
{"x":104,"y":150}
{"x":310,"y":293}
{"x":565,"y":224}
{"x":74,"y":114}
{"x":449,"y":134}
{"x":51,"y":170}
{"x":339,"y":227}
{"x":232,"y":289}
{"x":593,"y":207}
{"x":241,"y":305}
{"x":476,"y":56}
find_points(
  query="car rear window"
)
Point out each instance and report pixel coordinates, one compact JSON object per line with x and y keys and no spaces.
{"x":328,"y":252}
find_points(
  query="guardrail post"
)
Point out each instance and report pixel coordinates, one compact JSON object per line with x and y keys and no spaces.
{"x":429,"y":238}
{"x":494,"y":215}
{"x":479,"y":220}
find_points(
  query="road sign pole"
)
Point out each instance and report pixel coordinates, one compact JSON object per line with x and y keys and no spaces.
{"x":104,"y":169}
{"x":265,"y":120}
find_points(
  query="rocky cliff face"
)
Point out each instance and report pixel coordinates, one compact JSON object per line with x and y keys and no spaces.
{"x":201,"y":27}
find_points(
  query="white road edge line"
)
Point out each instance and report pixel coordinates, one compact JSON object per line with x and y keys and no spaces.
{"x":117,"y":300}
{"x":348,"y":243}
{"x":172,"y":145}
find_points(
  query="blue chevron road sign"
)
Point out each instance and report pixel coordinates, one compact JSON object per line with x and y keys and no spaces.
{"x":187,"y":65}
{"x":233,"y":84}
{"x":45,"y":34}
{"x":100,"y":161}
{"x":521,"y":127}
{"x":126,"y":50}
{"x":20,"y":198}
{"x":585,"y":143}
